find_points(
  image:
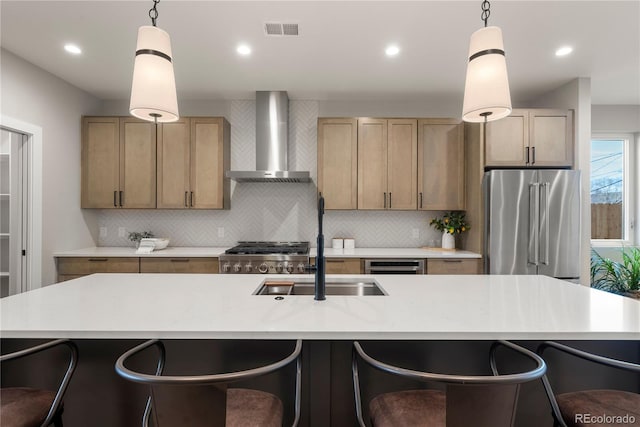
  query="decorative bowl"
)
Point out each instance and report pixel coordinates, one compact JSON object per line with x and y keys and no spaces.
{"x":157,"y":242}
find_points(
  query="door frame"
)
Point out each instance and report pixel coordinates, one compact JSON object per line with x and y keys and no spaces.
{"x":34,"y":196}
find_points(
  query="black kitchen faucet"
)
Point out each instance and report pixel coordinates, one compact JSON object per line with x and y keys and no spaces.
{"x":319,"y":268}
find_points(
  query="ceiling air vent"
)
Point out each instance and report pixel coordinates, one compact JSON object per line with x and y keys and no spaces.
{"x":280,"y":29}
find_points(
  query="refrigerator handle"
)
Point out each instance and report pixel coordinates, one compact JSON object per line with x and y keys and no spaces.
{"x":545,"y":257}
{"x":534,"y":224}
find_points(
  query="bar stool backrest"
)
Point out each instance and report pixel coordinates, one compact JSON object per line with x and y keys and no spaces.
{"x":479,"y":401}
{"x":195,"y":400}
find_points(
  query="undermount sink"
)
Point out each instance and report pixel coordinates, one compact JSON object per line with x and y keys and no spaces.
{"x":350,"y":287}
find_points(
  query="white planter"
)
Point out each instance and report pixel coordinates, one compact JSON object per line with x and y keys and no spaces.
{"x":448,"y":241}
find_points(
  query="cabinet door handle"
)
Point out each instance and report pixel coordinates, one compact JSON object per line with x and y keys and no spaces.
{"x":389,"y":200}
{"x":115,"y":198}
{"x":121,"y":198}
{"x":527,"y":155}
{"x":179,"y":260}
{"x":385,"y":200}
{"x":420,"y":200}
{"x":452,"y":260}
{"x":191,"y":203}
{"x":533,"y":155}
{"x":186,"y":199}
{"x":97,"y":259}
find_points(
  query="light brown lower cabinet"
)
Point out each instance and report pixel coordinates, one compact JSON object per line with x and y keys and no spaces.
{"x":179,"y":265}
{"x":81,"y":266}
{"x":454,"y":266}
{"x":74,"y":267}
{"x":343,"y":266}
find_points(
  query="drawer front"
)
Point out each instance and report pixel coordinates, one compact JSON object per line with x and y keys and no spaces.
{"x":84,"y":265}
{"x":453,"y":266}
{"x":343,"y":266}
{"x":179,"y":265}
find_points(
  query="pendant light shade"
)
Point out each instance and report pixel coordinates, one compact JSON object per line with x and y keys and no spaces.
{"x":153,"y":91}
{"x":486,"y":91}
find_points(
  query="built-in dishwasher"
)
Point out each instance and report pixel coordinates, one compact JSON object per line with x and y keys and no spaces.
{"x":394,"y":266}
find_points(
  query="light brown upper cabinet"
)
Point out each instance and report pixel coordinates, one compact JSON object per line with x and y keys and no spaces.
{"x":441,"y":164}
{"x":118,"y":163}
{"x":338,"y":162}
{"x":193,"y":155}
{"x":387,"y":164}
{"x":531,"y":138}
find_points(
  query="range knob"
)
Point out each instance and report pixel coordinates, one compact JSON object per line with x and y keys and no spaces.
{"x":301,"y":268}
{"x":248,"y":267}
{"x":263,"y":268}
{"x":279,"y":268}
{"x":226,"y":267}
{"x":237,"y":267}
{"x":289,"y":268}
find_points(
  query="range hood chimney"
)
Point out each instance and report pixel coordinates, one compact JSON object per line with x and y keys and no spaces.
{"x":272,"y":127}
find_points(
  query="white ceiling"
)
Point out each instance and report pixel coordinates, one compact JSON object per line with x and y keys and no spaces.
{"x":340,"y":51}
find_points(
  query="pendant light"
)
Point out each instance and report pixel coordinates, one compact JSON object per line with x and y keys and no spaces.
{"x":486,"y":91}
{"x":153,"y":91}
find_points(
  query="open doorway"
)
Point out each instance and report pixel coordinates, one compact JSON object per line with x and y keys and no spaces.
{"x":14,"y":212}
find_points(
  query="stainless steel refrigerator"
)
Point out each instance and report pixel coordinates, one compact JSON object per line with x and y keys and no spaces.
{"x":532,"y":222}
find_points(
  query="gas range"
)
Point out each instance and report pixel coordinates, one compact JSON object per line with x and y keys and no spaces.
{"x":265,"y":257}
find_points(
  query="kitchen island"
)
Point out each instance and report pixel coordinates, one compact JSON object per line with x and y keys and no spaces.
{"x":203,"y":306}
{"x":216,"y":319}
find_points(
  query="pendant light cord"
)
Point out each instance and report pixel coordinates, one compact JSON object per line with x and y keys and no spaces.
{"x":485,"y":11}
{"x":153,"y":12}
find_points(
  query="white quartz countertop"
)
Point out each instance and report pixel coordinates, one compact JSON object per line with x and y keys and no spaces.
{"x":216,"y":306}
{"x":395,"y":253}
{"x":172,"y":251}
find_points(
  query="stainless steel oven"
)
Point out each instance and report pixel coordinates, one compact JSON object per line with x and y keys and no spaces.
{"x":394,"y":266}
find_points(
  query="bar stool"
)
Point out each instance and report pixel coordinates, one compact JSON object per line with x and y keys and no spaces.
{"x":206,"y":400}
{"x":571,"y":409}
{"x":479,"y":401}
{"x":32,"y":407}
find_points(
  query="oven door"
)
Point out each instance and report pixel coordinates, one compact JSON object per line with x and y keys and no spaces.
{"x":394,"y":266}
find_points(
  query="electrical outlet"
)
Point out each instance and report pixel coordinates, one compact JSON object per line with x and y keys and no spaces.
{"x":121,"y":231}
{"x":220,"y":231}
{"x":415,"y":233}
{"x":103,"y":231}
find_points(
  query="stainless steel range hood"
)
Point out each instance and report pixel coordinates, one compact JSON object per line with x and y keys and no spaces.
{"x":272,"y":125}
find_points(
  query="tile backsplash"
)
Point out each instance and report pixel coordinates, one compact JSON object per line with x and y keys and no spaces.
{"x":271,"y":211}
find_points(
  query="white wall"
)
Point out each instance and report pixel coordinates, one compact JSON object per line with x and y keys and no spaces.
{"x":34,"y":96}
{"x":615,"y":118}
{"x":576,"y":95}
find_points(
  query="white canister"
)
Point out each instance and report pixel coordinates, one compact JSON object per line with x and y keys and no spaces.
{"x":337,"y":243}
{"x":349,"y":243}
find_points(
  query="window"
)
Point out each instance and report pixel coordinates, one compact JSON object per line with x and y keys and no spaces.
{"x":613,"y":188}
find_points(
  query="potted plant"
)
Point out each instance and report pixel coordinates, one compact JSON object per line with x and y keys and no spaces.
{"x":136,"y":236}
{"x":450,"y":224}
{"x":617,"y":277}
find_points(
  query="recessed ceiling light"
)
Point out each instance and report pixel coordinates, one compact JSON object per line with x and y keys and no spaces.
{"x":243,"y":50}
{"x":392,"y":50}
{"x":564,"y":51}
{"x":72,"y":49}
